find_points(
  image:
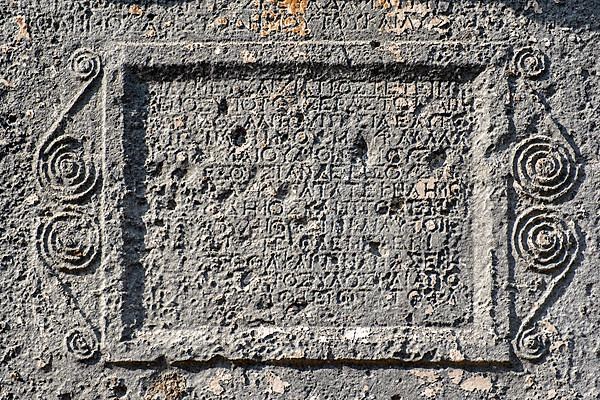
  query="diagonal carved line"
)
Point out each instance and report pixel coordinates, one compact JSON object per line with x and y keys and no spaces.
{"x":73,"y":102}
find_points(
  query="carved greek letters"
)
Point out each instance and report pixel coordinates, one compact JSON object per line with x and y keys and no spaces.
{"x":285,"y":16}
{"x":250,"y":151}
{"x":436,"y":279}
{"x":282,"y":203}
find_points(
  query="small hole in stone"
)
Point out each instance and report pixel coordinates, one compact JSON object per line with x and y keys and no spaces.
{"x":120,"y":390}
{"x":360,"y":149}
{"x":238,"y":136}
{"x":222,"y":106}
{"x":374,"y":248}
{"x":171,"y":204}
{"x":437,"y":159}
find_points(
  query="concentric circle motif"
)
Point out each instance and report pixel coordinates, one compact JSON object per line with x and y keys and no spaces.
{"x":532,"y":344}
{"x":65,"y":169}
{"x":239,"y":173}
{"x":85,"y":64}
{"x":543,"y":239}
{"x":81,"y":343}
{"x":544,"y":168}
{"x":529,"y":62}
{"x":69,"y":241}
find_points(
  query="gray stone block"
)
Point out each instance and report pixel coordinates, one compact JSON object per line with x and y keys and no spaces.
{"x":298,"y":199}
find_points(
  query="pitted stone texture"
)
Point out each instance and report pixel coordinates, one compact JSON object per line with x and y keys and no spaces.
{"x":299,"y":199}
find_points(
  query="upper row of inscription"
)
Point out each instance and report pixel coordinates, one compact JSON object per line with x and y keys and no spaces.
{"x":258,"y":17}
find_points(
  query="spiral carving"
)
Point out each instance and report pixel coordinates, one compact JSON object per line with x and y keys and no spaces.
{"x":81,"y":343}
{"x":544,"y":240}
{"x":544,"y":168}
{"x":69,"y":241}
{"x":65,"y":168}
{"x":529,"y":62}
{"x":85,"y":64}
{"x":531,"y":344}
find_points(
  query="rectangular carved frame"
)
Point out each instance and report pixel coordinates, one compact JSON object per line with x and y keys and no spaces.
{"x":485,"y":339}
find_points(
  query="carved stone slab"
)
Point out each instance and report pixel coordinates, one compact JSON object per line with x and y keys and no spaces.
{"x":294,"y":207}
{"x":299,"y":199}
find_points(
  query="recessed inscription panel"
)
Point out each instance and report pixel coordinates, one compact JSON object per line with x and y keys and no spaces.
{"x":310,"y":198}
{"x":276,"y":200}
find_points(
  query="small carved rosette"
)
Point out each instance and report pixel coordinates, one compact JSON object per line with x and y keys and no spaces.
{"x":544,"y":240}
{"x":529,"y":62}
{"x":545,"y":170}
{"x":66,"y":169}
{"x":81,"y":343}
{"x":69,"y":241}
{"x":85,"y":64}
{"x":532,"y":344}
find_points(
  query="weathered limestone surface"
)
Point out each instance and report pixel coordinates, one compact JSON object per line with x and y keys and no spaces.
{"x":299,"y":199}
